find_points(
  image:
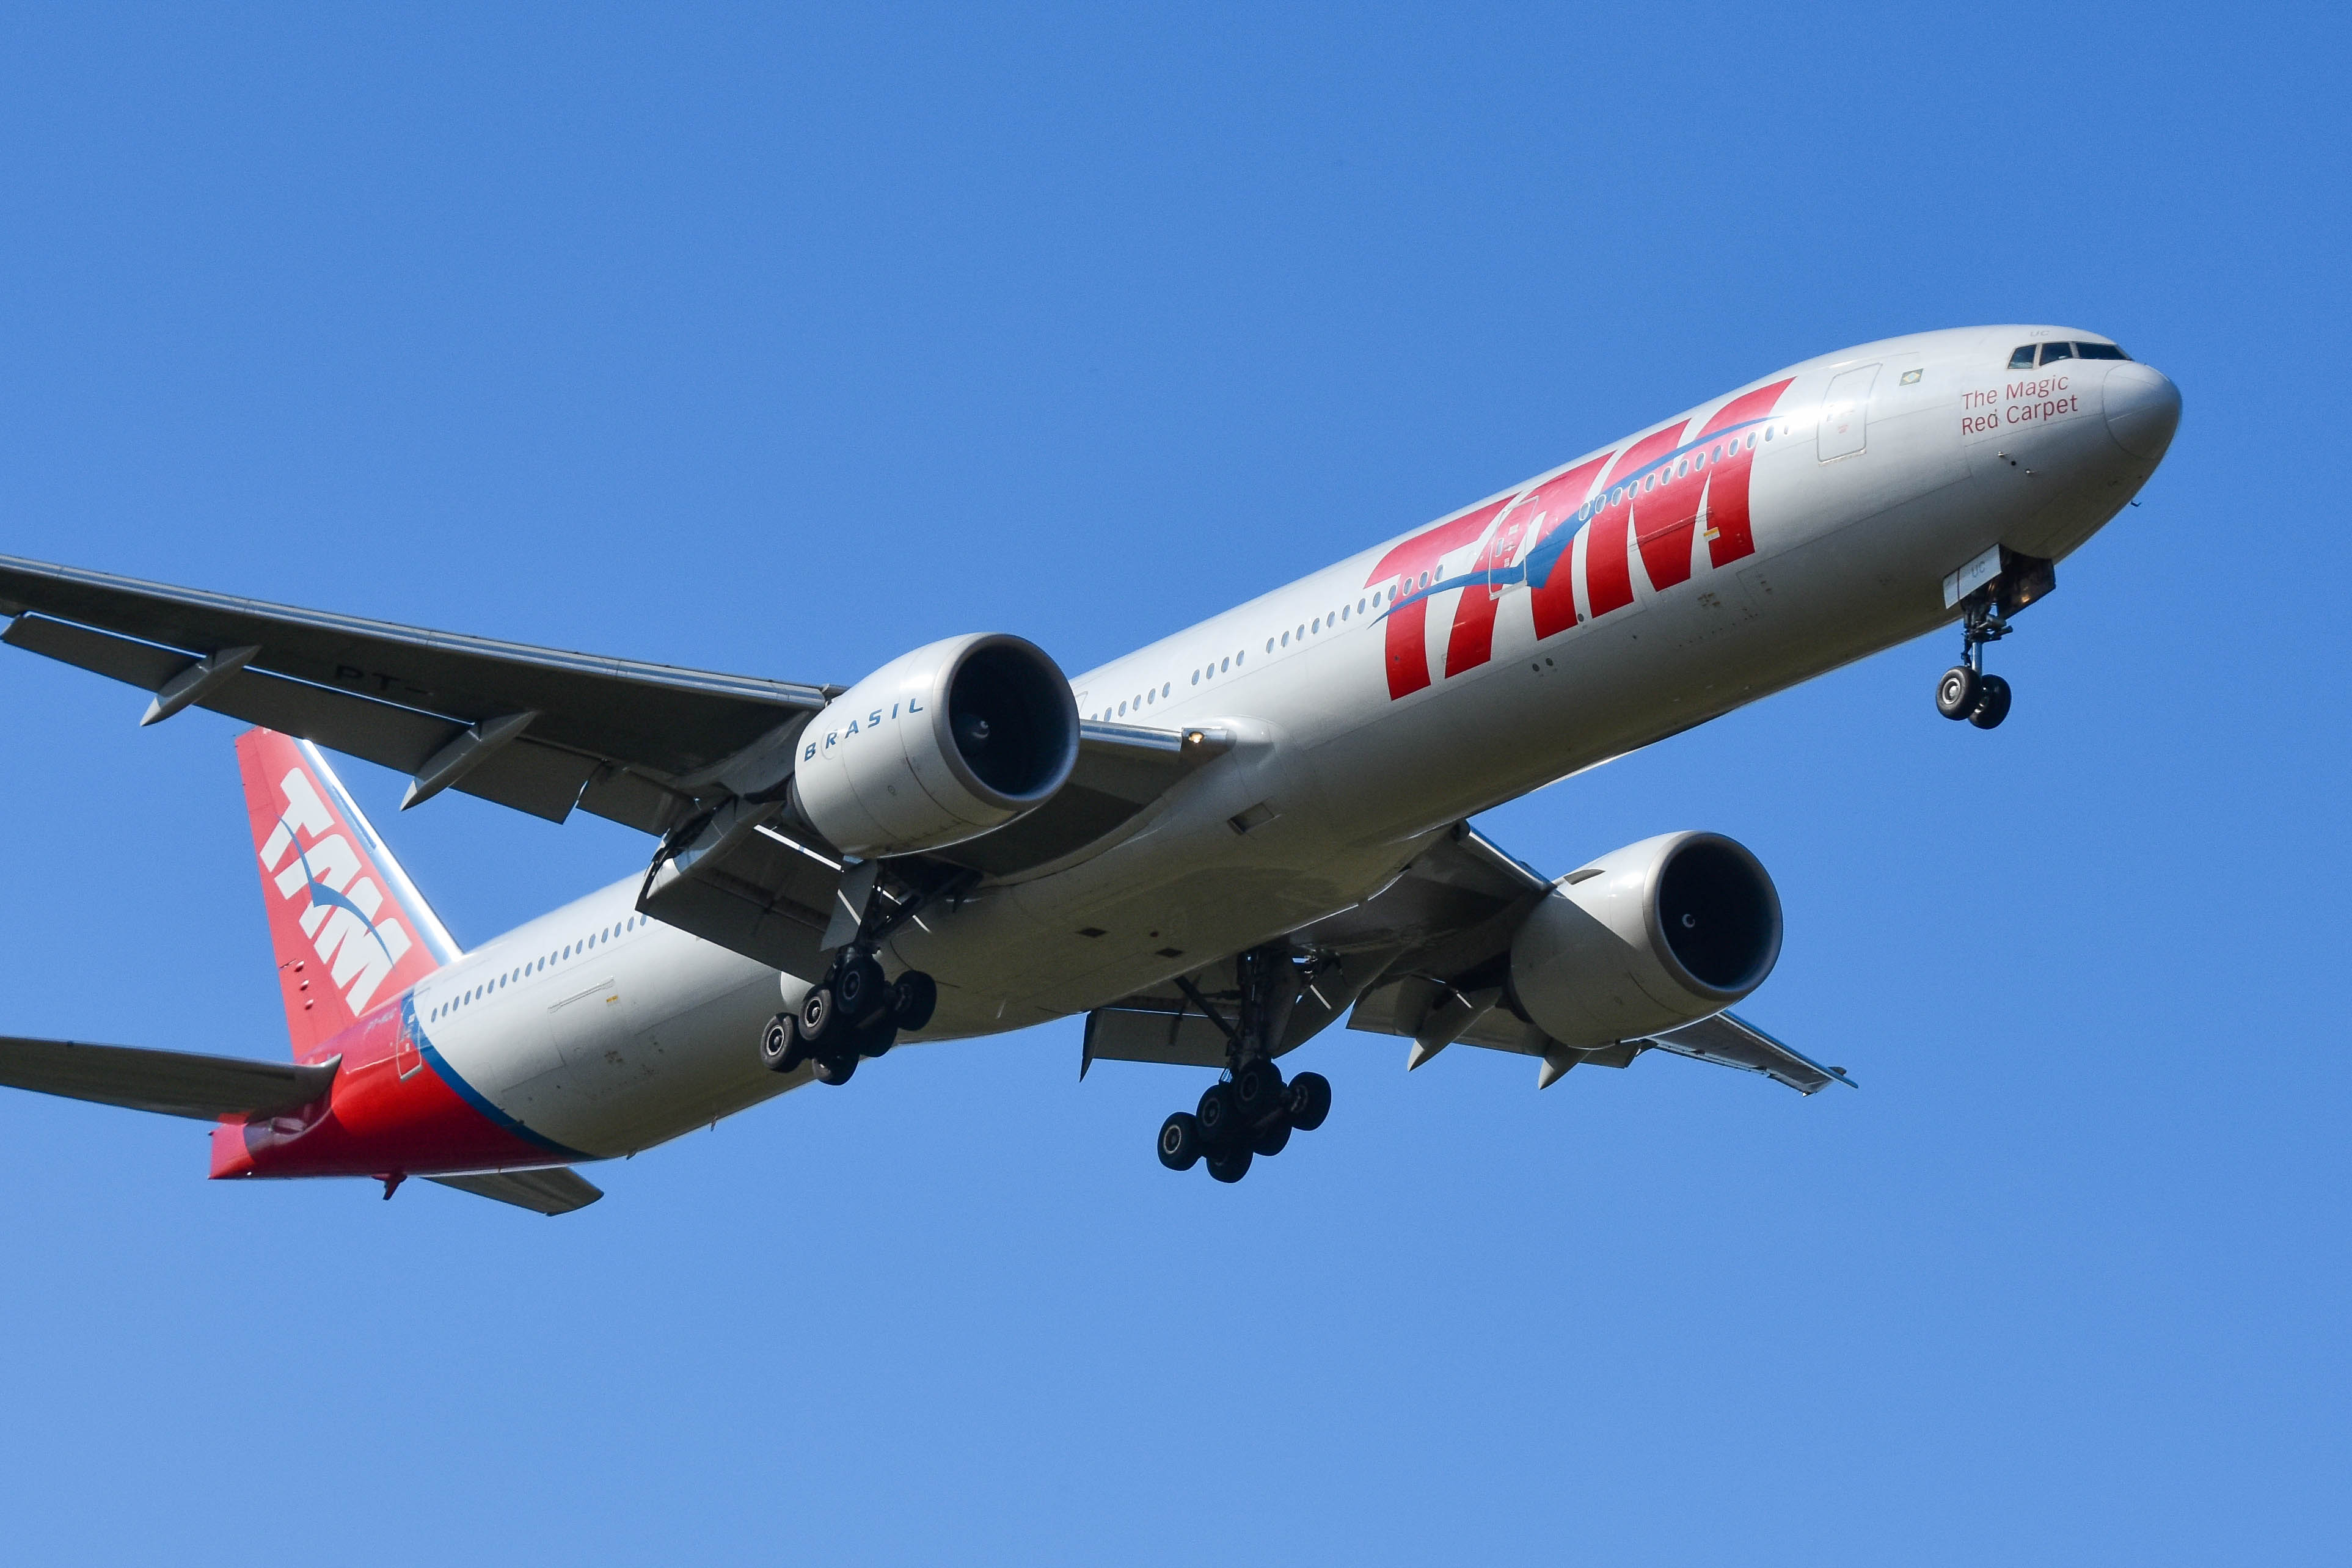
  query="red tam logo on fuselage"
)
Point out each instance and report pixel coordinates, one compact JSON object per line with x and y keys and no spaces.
{"x":1658,"y":495}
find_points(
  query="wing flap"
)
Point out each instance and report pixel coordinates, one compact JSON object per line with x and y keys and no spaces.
{"x":555,"y":1190}
{"x":1730,"y":1041}
{"x":169,"y":1083}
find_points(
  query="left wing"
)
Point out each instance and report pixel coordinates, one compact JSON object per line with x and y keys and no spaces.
{"x":539,"y":729}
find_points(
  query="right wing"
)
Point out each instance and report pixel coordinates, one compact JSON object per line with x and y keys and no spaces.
{"x":539,"y":729}
{"x":172,"y":1082}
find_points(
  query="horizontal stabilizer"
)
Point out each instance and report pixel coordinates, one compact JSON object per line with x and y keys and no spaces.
{"x":173,"y":1083}
{"x":556,"y":1190}
{"x":1728,"y":1042}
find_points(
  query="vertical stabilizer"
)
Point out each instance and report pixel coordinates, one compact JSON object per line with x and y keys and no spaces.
{"x":346,"y":925}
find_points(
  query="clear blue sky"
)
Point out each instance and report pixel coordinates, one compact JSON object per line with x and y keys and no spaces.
{"x":778,"y":342}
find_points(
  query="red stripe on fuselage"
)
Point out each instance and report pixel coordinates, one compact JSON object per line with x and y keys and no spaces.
{"x":1608,"y":568}
{"x":374,"y":1120}
{"x":1727,"y":481}
{"x":1554,"y":505}
{"x":1408,"y":624}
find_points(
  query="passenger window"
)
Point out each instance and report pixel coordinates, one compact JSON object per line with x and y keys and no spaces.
{"x":2053,"y":352}
{"x":1317,"y":625}
{"x":1286,"y":639}
{"x":1226,"y":665}
{"x":2023,"y":359}
{"x":2099,"y":352}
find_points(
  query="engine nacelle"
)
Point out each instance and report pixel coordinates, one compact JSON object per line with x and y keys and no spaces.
{"x":1652,"y":937}
{"x":937,"y":746}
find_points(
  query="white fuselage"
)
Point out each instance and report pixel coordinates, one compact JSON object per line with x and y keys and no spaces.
{"x":1864,"y":492}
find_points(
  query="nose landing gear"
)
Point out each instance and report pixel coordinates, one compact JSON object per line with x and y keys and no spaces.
{"x":1965,"y":690}
{"x":1251,"y":1110}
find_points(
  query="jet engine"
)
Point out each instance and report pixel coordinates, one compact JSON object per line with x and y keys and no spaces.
{"x":1652,"y":937}
{"x":937,"y":746}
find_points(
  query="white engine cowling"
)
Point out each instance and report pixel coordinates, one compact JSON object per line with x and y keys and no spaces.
{"x":937,"y":746}
{"x":1652,"y":937}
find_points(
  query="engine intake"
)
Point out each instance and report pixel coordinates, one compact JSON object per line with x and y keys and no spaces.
{"x":1656,"y":934}
{"x":937,"y":746}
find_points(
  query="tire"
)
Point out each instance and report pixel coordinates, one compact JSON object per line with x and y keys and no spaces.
{"x":1992,"y":703}
{"x":860,"y":992}
{"x":1310,"y":1100}
{"x":1219,"y":1118}
{"x":1179,"y":1141}
{"x":820,"y":1021}
{"x":1257,"y":1091}
{"x":1272,"y":1141}
{"x":913,"y":996}
{"x":1229,"y":1164}
{"x":780,"y":1044}
{"x":877,"y":1039}
{"x":1956,"y":694}
{"x":836,"y":1070}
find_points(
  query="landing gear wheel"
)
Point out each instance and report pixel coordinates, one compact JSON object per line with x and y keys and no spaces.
{"x":836,"y":1070}
{"x":1992,"y":703}
{"x":1310,"y":1100}
{"x":913,"y":996}
{"x":1272,"y":1141}
{"x":1179,"y":1141}
{"x":1257,"y":1091}
{"x":1229,"y":1164}
{"x":876,"y":1039}
{"x":820,"y":1021}
{"x":1957,"y":693}
{"x":859,"y":990}
{"x":779,"y":1044}
{"x":1219,"y":1118}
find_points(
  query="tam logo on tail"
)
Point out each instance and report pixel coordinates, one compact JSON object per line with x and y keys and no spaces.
{"x":348,"y":929}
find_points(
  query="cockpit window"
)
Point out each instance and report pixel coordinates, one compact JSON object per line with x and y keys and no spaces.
{"x":2021,"y":358}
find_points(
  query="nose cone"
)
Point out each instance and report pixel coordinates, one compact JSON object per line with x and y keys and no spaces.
{"x":2143,"y":408}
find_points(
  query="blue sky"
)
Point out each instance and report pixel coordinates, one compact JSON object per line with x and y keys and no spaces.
{"x":780,"y":342}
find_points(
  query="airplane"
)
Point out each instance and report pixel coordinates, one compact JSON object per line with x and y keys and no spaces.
{"x":1213,"y":847}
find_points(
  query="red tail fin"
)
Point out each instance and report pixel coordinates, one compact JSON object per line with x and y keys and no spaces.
{"x":346,"y":925}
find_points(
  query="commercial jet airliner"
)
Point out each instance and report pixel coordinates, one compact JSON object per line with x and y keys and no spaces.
{"x":1214,"y":847}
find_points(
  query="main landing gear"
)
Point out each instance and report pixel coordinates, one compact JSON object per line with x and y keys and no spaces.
{"x":1965,"y":690}
{"x":1250,"y":1112}
{"x":853,"y":1013}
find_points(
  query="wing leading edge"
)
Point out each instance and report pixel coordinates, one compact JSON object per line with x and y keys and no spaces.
{"x":539,"y":729}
